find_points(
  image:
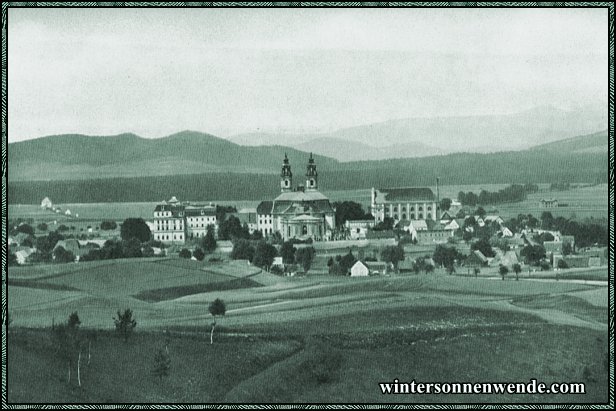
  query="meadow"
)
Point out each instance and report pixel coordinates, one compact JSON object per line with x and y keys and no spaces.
{"x":314,"y":338}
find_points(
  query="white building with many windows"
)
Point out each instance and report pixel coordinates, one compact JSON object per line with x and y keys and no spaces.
{"x":175,"y":222}
{"x":406,"y":203}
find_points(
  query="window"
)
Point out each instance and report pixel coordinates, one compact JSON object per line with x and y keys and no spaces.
{"x":404,"y":216}
{"x":395,"y":216}
{"x":420,"y":208}
{"x":420,"y":216}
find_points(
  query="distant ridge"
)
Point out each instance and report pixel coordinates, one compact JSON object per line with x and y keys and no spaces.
{"x":75,"y":156}
{"x":591,"y":143}
{"x":419,"y":136}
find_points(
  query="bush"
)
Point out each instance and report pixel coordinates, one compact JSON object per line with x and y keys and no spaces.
{"x":199,"y":254}
{"x":185,"y":253}
{"x":562,"y":264}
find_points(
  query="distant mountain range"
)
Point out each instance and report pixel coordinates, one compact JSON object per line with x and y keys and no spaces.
{"x":79,"y":157}
{"x":420,"y":137}
{"x":76,"y":168}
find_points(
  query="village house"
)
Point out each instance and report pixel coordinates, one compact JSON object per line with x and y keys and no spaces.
{"x":357,"y":229}
{"x":248,"y":216}
{"x":548,"y":203}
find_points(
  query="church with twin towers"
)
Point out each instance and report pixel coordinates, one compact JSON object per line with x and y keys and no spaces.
{"x":301,"y":211}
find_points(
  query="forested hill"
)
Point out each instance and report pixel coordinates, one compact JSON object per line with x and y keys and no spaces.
{"x":72,"y":157}
{"x":592,"y":143}
{"x":533,"y":166}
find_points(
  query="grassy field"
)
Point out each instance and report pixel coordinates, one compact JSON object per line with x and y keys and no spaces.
{"x":299,"y":339}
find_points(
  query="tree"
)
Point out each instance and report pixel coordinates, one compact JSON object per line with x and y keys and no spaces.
{"x":567,"y":248}
{"x":124,"y":323}
{"x":446,"y":256}
{"x":242,"y":250}
{"x":264,"y":255}
{"x":232,"y":228}
{"x":199,"y":254}
{"x":135,"y":228}
{"x":209,"y":241}
{"x":562,"y":264}
{"x":517,"y":269}
{"x":131,"y":248}
{"x":304,"y":257}
{"x":108,"y":225}
{"x":386,"y":224}
{"x":393,"y":255}
{"x":216,"y":308}
{"x":287,"y":252}
{"x":533,"y":254}
{"x":503,"y":270}
{"x":25,"y":228}
{"x":162,"y":364}
{"x":349,"y":210}
{"x":69,"y":343}
{"x":73,"y":321}
{"x":42,"y":227}
{"x":445,"y":204}
{"x":185,"y":253}
{"x":484,"y":246}
{"x":61,"y":255}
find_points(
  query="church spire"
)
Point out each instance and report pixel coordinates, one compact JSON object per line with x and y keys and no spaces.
{"x":311,"y":174}
{"x":286,"y":177}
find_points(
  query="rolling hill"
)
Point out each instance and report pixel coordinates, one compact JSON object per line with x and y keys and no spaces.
{"x":407,"y":137}
{"x":127,"y":155}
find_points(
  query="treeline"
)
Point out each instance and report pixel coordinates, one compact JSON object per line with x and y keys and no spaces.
{"x":494,"y":168}
{"x":511,"y":194}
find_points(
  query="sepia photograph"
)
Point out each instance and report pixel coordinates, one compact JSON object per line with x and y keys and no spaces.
{"x":317,"y":205}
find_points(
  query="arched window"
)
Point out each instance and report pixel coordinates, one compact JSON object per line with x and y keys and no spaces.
{"x":420,"y":208}
{"x":429,"y":215}
{"x":429,"y":208}
{"x":404,"y":216}
{"x":395,"y":216}
{"x":420,"y":216}
{"x":304,"y":230}
{"x":412,"y":216}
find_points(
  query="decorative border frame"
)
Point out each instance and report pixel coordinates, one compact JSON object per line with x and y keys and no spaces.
{"x":608,"y":5}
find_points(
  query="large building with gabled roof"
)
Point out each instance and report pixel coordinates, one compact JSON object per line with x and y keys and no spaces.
{"x":302,"y":212}
{"x":404,"y":203}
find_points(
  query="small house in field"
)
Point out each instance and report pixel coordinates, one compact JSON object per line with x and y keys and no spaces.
{"x":71,"y":245}
{"x":22,"y":254}
{"x":360,"y":269}
{"x":46,"y":203}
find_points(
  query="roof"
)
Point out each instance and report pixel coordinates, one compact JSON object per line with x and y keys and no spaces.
{"x":302,"y":207}
{"x":406,"y":194}
{"x":198,"y":211}
{"x":301,"y":196}
{"x":419,"y":224}
{"x":375,"y":264}
{"x":479,"y":255}
{"x":265,"y":207}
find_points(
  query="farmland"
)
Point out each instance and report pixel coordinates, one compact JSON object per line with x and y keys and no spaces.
{"x":299,"y":339}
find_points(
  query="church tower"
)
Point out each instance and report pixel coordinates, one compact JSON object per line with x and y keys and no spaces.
{"x":311,"y":175}
{"x":286,"y":176}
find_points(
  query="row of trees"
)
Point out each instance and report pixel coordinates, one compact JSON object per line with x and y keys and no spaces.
{"x":262,"y":254}
{"x":513,"y":193}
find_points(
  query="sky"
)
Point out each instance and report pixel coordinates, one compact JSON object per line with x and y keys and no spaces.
{"x":154,"y":72}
